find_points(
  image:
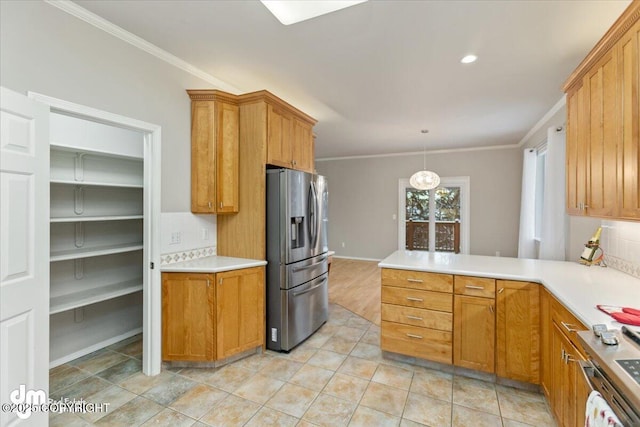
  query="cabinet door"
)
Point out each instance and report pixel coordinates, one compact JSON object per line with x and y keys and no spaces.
{"x":518,"y":331}
{"x":227,"y":140}
{"x":600,"y":86}
{"x":303,"y":155}
{"x":582,"y":388}
{"x":576,"y":157}
{"x":240,"y":319}
{"x":474,"y":333}
{"x":203,"y":157}
{"x":187,"y":316}
{"x":628,"y":49}
{"x":279,"y":138}
{"x":558,"y":384}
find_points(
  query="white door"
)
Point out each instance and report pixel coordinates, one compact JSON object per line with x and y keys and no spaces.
{"x":24,"y":255}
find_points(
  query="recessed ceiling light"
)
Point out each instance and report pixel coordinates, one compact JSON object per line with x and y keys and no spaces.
{"x":469,"y":59}
{"x":291,"y":11}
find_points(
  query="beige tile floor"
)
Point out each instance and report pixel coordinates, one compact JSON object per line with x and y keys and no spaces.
{"x":338,"y":377}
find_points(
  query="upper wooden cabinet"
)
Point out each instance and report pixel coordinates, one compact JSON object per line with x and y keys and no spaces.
{"x":603,"y":126}
{"x":302,"y":150}
{"x":628,"y":53}
{"x":270,"y":134}
{"x":214,"y":151}
{"x":290,"y":138}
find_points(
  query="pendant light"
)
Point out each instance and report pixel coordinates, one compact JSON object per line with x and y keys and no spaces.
{"x":424,"y":179}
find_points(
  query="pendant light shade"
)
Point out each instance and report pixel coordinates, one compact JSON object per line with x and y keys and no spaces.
{"x":424,"y":179}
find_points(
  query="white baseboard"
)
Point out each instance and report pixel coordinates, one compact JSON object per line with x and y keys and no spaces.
{"x":357,"y":258}
{"x":92,"y":348}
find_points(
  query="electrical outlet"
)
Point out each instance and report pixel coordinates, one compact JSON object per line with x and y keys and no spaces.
{"x":274,"y":335}
{"x":342,"y":244}
{"x":176,"y":238}
{"x":205,"y":234}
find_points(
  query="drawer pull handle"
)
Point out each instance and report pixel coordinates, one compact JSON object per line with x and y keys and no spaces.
{"x":414,"y":317}
{"x":569,"y":327}
{"x":415,"y":280}
{"x":414,"y":336}
{"x":480,"y":288}
{"x":415,"y":299}
{"x":501,"y":290}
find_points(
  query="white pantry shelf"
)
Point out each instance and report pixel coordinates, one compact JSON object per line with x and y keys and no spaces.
{"x":97,"y":218}
{"x":92,"y":252}
{"x":94,"y":295}
{"x":83,"y":150}
{"x":94,"y":183}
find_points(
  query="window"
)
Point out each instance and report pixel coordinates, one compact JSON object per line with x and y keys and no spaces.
{"x":435,"y":220}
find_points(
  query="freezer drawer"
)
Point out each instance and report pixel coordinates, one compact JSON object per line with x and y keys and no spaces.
{"x":303,"y":271}
{"x":304,"y":309}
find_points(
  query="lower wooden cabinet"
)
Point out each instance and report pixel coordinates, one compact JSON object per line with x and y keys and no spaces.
{"x":562,"y":380}
{"x":474,"y":333}
{"x":518,"y":331}
{"x":239,"y":311}
{"x":188,"y":305}
{"x":208,"y":317}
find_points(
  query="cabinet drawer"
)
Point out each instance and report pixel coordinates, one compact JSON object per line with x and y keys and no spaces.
{"x":420,"y":299}
{"x":417,"y":280}
{"x":567,"y":323}
{"x":425,"y":343}
{"x":475,"y":286}
{"x":417,"y":317}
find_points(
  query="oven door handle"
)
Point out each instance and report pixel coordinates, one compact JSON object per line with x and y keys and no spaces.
{"x":587,"y":371}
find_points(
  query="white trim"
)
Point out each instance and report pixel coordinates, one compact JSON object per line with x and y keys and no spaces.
{"x":357,"y":258}
{"x":151,"y":323}
{"x":464,"y":182}
{"x":91,"y":18}
{"x":543,"y":121}
{"x":413,"y":153}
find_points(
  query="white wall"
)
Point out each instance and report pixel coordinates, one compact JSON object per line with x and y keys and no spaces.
{"x":45,"y":50}
{"x":363,"y":197}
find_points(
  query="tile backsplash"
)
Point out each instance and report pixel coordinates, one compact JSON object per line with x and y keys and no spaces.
{"x":186,"y":236}
{"x":621,"y":244}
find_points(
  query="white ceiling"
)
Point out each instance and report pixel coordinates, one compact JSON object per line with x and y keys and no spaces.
{"x":375,"y":74}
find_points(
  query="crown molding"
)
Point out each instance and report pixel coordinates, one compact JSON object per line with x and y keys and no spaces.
{"x":413,"y":153}
{"x":629,"y":17}
{"x":266,"y":96}
{"x":91,"y":18}
{"x":543,"y":121}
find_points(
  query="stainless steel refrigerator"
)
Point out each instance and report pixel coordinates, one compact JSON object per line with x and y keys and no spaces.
{"x":297,"y":255}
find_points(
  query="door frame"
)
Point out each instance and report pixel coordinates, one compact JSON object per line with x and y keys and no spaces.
{"x":464,"y":182}
{"x":151,"y":289}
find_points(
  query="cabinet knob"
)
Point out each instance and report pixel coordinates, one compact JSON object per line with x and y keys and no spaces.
{"x":501,"y":290}
{"x":491,"y":308}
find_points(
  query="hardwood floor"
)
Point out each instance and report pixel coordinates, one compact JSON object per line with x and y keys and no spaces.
{"x":355,"y":285}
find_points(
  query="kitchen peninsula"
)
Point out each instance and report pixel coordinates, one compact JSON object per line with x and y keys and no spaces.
{"x":513,"y":320}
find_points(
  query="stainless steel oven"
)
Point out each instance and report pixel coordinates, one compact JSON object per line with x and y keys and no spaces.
{"x":612,"y":371}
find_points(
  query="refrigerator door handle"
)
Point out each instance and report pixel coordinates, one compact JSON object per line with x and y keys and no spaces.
{"x":295,"y":294}
{"x":313,"y":223}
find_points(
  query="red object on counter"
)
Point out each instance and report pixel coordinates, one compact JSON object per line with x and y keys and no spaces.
{"x":626,"y":315}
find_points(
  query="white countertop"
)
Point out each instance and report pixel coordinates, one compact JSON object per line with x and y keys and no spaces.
{"x":211,"y":264}
{"x":578,"y":287}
